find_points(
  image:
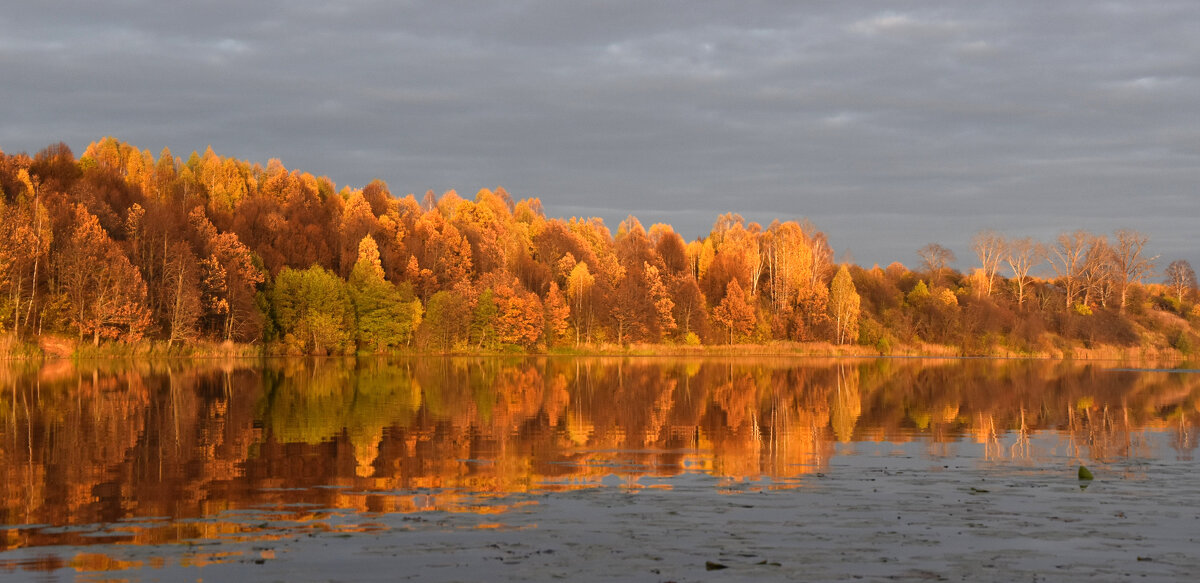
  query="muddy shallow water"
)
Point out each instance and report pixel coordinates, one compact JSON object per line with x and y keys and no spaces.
{"x":600,"y":470}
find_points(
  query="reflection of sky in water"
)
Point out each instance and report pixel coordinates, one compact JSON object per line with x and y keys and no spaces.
{"x":227,"y":455}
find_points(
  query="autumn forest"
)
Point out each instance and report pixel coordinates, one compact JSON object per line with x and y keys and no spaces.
{"x":118,"y":250}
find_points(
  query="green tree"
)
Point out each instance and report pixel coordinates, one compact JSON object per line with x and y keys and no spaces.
{"x":313,"y":310}
{"x":384,"y":317}
{"x":446,"y":320}
{"x":919,"y":294}
{"x":483,"y":320}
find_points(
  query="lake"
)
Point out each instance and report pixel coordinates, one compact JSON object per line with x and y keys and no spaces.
{"x":644,"y":469}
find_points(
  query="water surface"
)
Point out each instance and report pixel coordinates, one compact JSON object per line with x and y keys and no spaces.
{"x":644,"y":469}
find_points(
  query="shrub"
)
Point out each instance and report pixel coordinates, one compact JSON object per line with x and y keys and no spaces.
{"x":1167,"y":303}
{"x":1182,"y":342}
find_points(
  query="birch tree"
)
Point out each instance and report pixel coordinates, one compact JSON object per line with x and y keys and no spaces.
{"x":1129,"y":261}
{"x":1021,"y":255}
{"x":1181,"y":278}
{"x":1068,"y":259}
{"x":989,"y":247}
{"x":844,"y":303}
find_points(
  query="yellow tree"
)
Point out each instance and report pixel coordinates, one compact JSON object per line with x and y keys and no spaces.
{"x":699,"y":256}
{"x":357,"y":221}
{"x":579,"y":285}
{"x":844,"y":306}
{"x":663,"y":304}
{"x":789,"y":263}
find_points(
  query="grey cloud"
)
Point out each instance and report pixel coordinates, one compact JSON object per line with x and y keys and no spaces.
{"x":890,"y":124}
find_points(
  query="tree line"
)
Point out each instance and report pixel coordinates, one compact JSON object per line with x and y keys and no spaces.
{"x":116,"y":245}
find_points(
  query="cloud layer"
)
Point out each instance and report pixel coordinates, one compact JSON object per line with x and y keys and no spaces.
{"x":889,"y":124}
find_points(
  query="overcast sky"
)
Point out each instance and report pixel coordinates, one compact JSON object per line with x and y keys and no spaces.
{"x":888,"y":124}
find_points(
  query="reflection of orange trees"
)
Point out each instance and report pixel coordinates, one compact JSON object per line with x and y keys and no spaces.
{"x":797,"y":414}
{"x":628,"y":405}
{"x":771,"y":423}
{"x":738,"y":400}
{"x":107,"y":411}
{"x":520,"y":394}
{"x":1183,"y":437}
{"x":96,"y":445}
{"x":1021,"y":448}
{"x":65,"y":453}
{"x":984,"y":433}
{"x":85,"y":562}
{"x":846,"y":404}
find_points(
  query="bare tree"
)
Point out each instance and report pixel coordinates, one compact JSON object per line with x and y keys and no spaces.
{"x":1128,"y":262}
{"x":822,"y":253}
{"x":1181,"y":278}
{"x":1068,"y":259}
{"x":1097,"y":271}
{"x":935,"y":258}
{"x":989,"y":247}
{"x":1021,"y":255}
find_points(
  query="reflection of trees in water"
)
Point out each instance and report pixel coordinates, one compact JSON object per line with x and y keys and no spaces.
{"x":1095,"y":432}
{"x":1021,"y":447}
{"x":847,"y":404}
{"x":85,"y":444}
{"x":1183,"y":438}
{"x":991,"y":437}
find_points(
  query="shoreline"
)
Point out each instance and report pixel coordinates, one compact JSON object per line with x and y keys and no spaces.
{"x":51,"y":348}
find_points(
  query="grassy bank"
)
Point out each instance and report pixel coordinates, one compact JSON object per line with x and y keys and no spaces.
{"x":60,"y":347}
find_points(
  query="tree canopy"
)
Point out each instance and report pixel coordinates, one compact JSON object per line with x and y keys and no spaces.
{"x":118,"y":245}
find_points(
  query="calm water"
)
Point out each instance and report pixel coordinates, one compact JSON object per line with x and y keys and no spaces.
{"x":115,"y":471}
